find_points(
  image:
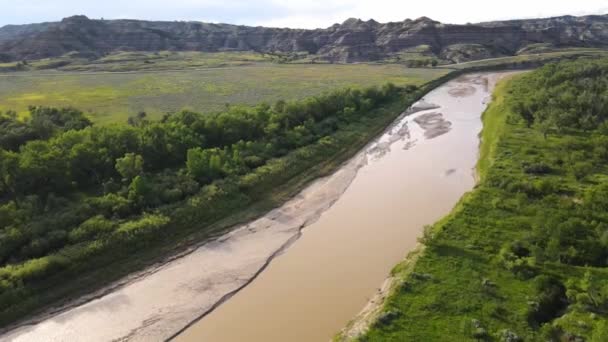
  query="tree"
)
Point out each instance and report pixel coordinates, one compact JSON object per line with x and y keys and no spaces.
{"x":138,"y":120}
{"x":50,"y":121}
{"x":204,"y":165}
{"x":130,"y":166}
{"x":544,"y":127}
{"x":9,"y":170}
{"x":141,"y":191}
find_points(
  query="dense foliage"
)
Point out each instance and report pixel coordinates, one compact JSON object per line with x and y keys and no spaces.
{"x":524,"y":257}
{"x":564,"y":95}
{"x":89,"y":195}
{"x":42,"y":123}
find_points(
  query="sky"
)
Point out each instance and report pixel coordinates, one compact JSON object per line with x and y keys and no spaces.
{"x":294,"y":13}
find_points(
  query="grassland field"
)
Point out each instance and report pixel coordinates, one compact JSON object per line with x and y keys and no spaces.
{"x":112,"y":97}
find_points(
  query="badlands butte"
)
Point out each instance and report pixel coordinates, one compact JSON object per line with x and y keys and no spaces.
{"x":352,"y":41}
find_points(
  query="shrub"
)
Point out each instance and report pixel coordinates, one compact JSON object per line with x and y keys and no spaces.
{"x":538,"y":168}
{"x":387,"y":317}
{"x":172,"y":195}
{"x":111,"y":205}
{"x":507,"y":335}
{"x":551,"y":300}
{"x":146,"y":225}
{"x":92,"y":228}
{"x":516,"y":260}
{"x":582,"y":169}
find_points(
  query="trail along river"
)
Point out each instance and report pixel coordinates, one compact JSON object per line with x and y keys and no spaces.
{"x":302,"y":271}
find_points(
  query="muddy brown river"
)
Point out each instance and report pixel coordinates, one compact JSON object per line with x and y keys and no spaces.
{"x":315,"y":261}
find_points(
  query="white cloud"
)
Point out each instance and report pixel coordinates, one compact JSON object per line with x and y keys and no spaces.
{"x":448,"y":11}
{"x":296,"y":13}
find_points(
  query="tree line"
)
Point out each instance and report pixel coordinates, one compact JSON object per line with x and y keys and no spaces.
{"x":564,"y":95}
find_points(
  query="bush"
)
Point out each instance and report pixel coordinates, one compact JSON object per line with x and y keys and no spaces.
{"x":111,"y":205}
{"x":538,"y":168}
{"x":516,"y":259}
{"x":91,"y":229}
{"x":507,"y":335}
{"x":596,"y":197}
{"x":582,"y":169}
{"x":34,"y":269}
{"x":387,"y":317}
{"x":146,"y":225}
{"x":172,"y":195}
{"x":551,"y":300}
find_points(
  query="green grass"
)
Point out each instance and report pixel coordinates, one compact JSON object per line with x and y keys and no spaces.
{"x":494,"y":122}
{"x":163,"y":60}
{"x":444,"y":293}
{"x":116,"y":86}
{"x":112,"y":97}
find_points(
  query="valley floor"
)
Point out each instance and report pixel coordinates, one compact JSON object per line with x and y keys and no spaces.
{"x":111,"y":97}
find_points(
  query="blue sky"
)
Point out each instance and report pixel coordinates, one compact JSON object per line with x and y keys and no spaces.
{"x":295,"y":13}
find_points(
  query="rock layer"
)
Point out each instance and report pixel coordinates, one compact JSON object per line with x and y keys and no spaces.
{"x":354,"y":40}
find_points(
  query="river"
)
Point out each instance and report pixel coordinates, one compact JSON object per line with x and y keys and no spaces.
{"x":302,"y":271}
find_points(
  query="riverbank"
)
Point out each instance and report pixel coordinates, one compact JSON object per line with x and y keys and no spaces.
{"x":415,"y":173}
{"x":349,"y":141}
{"x":277,"y":196}
{"x":375,"y":309}
{"x":488,"y":270}
{"x":223,"y":267}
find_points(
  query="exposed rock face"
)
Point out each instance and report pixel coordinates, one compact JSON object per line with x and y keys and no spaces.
{"x":353,"y":40}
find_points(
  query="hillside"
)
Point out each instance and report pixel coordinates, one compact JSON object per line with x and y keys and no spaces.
{"x":353,"y":40}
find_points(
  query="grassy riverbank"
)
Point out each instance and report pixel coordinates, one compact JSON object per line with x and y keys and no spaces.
{"x":510,"y":263}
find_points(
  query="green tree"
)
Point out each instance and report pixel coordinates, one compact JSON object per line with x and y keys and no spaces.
{"x":205,"y":165}
{"x":9,"y":171}
{"x":130,"y":166}
{"x":138,"y":120}
{"x":141,"y":191}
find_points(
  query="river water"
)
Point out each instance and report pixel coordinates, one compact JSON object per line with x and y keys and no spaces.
{"x":272,"y":280}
